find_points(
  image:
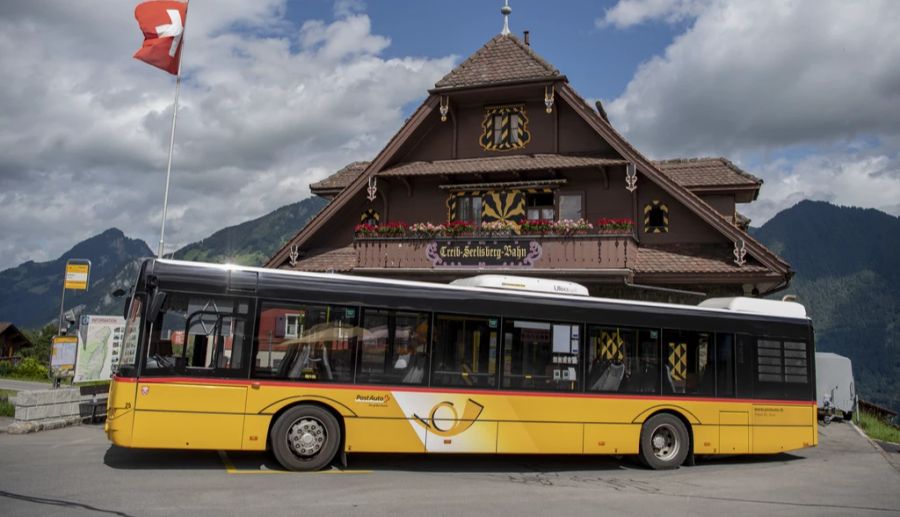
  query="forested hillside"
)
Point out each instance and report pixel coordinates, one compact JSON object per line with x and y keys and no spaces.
{"x":848,"y":275}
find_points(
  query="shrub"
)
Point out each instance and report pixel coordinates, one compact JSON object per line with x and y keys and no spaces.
{"x":457,"y":228}
{"x":426,"y":229}
{"x":570,"y":227}
{"x":610,"y":225}
{"x":6,"y":368}
{"x":499,"y":226}
{"x":30,"y":368}
{"x":366,"y":230}
{"x":391,"y":229}
{"x":537,"y":226}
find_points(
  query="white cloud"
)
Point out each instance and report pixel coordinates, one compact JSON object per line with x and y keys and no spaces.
{"x":851,"y":179}
{"x":628,"y":13}
{"x":762,"y":78}
{"x":266,"y":107}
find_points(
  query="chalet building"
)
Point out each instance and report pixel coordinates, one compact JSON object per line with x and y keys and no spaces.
{"x":12,"y":341}
{"x":513,"y":164}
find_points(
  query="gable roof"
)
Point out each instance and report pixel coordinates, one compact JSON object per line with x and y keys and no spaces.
{"x":680,"y":193}
{"x":503,"y":59}
{"x":476,"y":72}
{"x":707,"y":172}
{"x":340,"y":179}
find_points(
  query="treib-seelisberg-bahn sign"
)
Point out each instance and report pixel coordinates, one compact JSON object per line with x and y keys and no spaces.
{"x":480,"y":253}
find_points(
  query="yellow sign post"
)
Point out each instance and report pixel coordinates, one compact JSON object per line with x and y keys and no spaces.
{"x":77,"y":275}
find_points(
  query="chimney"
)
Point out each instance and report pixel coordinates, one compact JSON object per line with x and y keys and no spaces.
{"x":527,"y":38}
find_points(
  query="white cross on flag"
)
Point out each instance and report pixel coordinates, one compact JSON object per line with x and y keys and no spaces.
{"x":162,"y":22}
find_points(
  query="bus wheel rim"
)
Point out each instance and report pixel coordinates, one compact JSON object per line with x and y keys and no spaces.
{"x":306,"y":437}
{"x":664,"y":441}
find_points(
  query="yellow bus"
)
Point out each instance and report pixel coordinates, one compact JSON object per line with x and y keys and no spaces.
{"x":316,"y":366}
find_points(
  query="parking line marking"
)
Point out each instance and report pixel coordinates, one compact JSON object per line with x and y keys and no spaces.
{"x":231,"y":469}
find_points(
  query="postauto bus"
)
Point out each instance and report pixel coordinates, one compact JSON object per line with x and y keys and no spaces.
{"x":311,"y":366}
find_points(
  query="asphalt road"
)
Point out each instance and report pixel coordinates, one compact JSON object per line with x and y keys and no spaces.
{"x":16,"y":385}
{"x":76,"y":472}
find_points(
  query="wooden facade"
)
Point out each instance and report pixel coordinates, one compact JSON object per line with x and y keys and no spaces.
{"x":503,"y":139}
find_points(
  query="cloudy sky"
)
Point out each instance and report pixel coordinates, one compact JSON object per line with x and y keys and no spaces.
{"x":277,"y":94}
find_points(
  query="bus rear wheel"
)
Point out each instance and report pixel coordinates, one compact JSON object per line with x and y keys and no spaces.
{"x":665,"y":442}
{"x":305,"y":438}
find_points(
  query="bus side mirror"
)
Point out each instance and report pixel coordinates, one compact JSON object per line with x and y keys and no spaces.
{"x":156,"y":304}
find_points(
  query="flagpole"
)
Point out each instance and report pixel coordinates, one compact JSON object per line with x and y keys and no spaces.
{"x":162,"y":231}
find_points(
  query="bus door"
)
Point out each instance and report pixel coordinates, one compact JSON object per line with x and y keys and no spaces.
{"x":190,"y":394}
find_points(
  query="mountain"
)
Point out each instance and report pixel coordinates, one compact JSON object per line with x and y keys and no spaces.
{"x":252,"y":242}
{"x":848,"y":276}
{"x":31,"y":290}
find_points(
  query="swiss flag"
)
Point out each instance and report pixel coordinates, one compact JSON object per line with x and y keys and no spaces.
{"x":162,"y":22}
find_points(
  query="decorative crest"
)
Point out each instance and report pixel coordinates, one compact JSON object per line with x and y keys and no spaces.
{"x":549,"y":94}
{"x":740,"y":252}
{"x":372,"y":189}
{"x":630,"y":177}
{"x":294,"y":255}
{"x":445,"y":107}
{"x":506,"y":10}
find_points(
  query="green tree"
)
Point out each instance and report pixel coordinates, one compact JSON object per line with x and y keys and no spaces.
{"x":41,"y":341}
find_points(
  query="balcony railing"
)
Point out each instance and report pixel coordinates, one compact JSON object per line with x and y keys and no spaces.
{"x":591,"y":252}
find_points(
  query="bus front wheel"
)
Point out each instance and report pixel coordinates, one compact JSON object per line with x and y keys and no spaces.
{"x":665,"y":442}
{"x":305,"y":438}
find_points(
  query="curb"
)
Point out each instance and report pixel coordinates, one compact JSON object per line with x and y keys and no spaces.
{"x":884,"y":453}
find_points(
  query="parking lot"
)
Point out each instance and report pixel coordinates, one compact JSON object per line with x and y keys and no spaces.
{"x":75,"y":471}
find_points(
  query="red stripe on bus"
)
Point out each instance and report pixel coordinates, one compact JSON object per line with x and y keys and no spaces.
{"x":369,"y":387}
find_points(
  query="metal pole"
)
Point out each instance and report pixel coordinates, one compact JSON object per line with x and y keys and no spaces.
{"x":62,"y":301}
{"x":162,"y":231}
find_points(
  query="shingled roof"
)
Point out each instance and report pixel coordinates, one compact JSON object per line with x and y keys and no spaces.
{"x":516,"y":162}
{"x":340,"y":179}
{"x":707,"y":172}
{"x":503,"y":59}
{"x":687,"y":172}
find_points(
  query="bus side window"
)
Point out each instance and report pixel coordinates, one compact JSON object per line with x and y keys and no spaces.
{"x":302,"y":342}
{"x":744,"y":366}
{"x":195,"y":334}
{"x":393,"y":347}
{"x":688,"y":358}
{"x":623,"y":360}
{"x":465,"y":351}
{"x":541,"y":355}
{"x":724,"y":365}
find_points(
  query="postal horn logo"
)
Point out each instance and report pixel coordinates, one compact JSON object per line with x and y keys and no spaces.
{"x":445,"y":421}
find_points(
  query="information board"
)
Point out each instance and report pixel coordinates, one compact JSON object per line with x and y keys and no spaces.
{"x":99,"y":347}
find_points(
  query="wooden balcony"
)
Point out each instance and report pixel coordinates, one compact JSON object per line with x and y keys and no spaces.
{"x":515,"y":252}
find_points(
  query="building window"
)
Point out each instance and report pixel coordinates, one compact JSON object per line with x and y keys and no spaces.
{"x":370,"y":217}
{"x":656,"y":217}
{"x":505,"y":128}
{"x":571,"y":206}
{"x":540,"y":206}
{"x":291,"y":322}
{"x":467,"y":208}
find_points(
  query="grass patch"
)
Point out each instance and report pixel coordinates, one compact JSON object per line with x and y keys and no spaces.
{"x":878,"y":429}
{"x":6,"y":408}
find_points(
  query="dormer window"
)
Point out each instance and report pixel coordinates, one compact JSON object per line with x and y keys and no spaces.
{"x":505,"y":128}
{"x":656,"y":217}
